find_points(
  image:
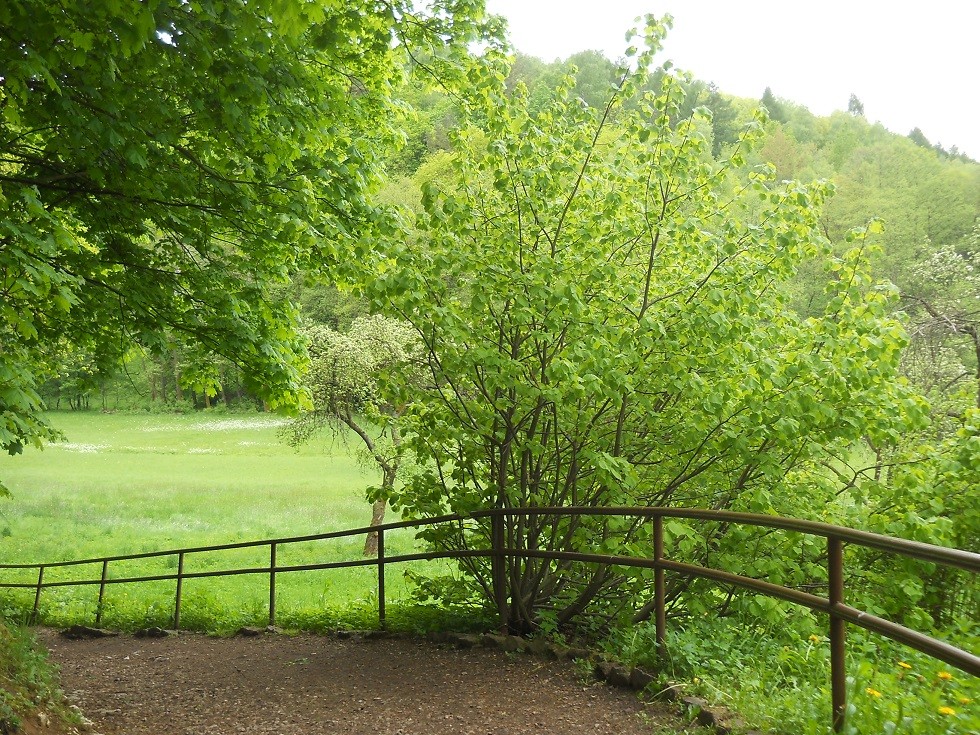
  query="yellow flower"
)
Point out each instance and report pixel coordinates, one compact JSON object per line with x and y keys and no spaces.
{"x":947,"y":711}
{"x":965,"y":700}
{"x":873,"y":692}
{"x":904,"y":665}
{"x":944,"y":675}
{"x":815,"y":638}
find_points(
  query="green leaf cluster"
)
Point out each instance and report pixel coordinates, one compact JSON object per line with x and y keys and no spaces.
{"x":165,"y":164}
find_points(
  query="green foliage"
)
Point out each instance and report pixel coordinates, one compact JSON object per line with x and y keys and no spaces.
{"x":594,"y":76}
{"x":778,"y":677}
{"x":773,"y":106}
{"x":922,"y":198}
{"x":28,"y":683}
{"x":325,"y":304}
{"x":942,"y":297}
{"x":618,"y":303}
{"x":165,"y":163}
{"x":928,"y":495}
{"x":923,"y":486}
{"x":918,"y":137}
{"x":348,"y":371}
{"x":346,"y":379}
{"x":602,"y":304}
{"x":724,"y":120}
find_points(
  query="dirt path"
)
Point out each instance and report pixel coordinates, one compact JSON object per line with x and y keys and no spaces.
{"x":310,"y":685}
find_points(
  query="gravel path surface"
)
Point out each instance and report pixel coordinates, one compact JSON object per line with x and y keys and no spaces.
{"x":288,"y":685}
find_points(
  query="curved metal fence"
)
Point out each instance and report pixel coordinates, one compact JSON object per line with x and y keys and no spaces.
{"x":840,"y":614}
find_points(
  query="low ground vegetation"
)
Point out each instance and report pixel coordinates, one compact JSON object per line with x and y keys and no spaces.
{"x":29,"y":684}
{"x":627,"y":288}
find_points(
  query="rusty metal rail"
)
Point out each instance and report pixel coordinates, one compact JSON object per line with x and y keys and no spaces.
{"x":833,"y":605}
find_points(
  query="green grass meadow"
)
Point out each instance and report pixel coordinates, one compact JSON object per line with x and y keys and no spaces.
{"x":132,"y":483}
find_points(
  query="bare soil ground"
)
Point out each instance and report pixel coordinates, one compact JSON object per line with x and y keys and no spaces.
{"x":288,"y":685}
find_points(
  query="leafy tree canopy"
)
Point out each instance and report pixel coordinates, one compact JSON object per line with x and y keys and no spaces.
{"x":348,"y":368}
{"x":163,"y":162}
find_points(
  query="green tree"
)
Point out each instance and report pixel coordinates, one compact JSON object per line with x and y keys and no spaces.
{"x":789,"y":159}
{"x":773,"y":106}
{"x":605,"y":324}
{"x":855,"y":106}
{"x":927,"y":202}
{"x":594,"y":76}
{"x":525,"y":69}
{"x":76,"y":379}
{"x":593,"y":73}
{"x":943,"y":300}
{"x":919,"y":138}
{"x":163,"y":162}
{"x":724,"y":120}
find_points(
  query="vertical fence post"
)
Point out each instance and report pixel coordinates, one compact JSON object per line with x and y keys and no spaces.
{"x":98,"y":607}
{"x":498,"y":569}
{"x":835,"y":596}
{"x":180,"y":587}
{"x":37,"y":594}
{"x":272,"y":584}
{"x":381,"y":579}
{"x":659,"y":586}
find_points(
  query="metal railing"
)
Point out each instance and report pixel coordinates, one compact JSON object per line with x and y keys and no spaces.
{"x":833,"y":605}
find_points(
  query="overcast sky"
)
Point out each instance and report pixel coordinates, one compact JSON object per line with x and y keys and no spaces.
{"x":911,"y":64}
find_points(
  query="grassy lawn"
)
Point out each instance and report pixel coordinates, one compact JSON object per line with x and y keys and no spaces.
{"x":125,"y":483}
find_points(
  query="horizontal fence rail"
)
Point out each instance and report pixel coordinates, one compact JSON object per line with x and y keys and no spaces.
{"x":833,"y":605}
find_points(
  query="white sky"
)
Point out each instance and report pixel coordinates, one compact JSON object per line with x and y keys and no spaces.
{"x":911,"y":64}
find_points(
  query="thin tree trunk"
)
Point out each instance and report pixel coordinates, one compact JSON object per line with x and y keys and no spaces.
{"x":377,"y":518}
{"x":164,"y":382}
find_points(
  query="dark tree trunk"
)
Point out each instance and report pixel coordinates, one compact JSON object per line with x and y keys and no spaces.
{"x":177,"y":387}
{"x":225,"y":396}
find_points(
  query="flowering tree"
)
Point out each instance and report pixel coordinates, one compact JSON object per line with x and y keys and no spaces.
{"x":346,"y":381}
